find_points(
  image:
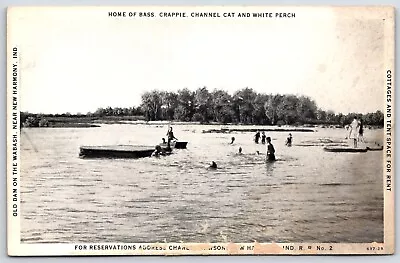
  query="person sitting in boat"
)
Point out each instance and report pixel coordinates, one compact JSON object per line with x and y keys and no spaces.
{"x":270,"y":150}
{"x":168,"y":148}
{"x":289,"y":140}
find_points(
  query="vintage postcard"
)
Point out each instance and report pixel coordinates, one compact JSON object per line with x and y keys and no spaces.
{"x":209,"y":130}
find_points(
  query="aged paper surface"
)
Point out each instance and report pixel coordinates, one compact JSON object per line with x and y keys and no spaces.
{"x":200,"y":130}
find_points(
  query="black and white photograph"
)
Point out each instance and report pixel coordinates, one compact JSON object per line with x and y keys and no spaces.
{"x":151,"y":130}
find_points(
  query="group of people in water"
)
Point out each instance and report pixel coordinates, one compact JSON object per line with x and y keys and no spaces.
{"x":270,"y":153}
{"x":270,"y":146}
{"x":356,"y":132}
{"x":258,"y":136}
{"x":264,"y":138}
{"x":159,"y":150}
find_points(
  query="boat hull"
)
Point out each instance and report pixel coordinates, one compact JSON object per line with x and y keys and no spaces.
{"x":345,"y":149}
{"x":175,"y":145}
{"x":377,"y":148}
{"x":116,"y":151}
{"x":180,"y":145}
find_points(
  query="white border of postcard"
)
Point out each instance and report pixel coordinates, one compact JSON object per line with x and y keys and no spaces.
{"x":16,"y":248}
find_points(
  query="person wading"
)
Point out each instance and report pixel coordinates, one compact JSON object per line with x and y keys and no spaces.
{"x":289,"y":140}
{"x":270,"y":150}
{"x":263,"y":137}
{"x":257,"y":137}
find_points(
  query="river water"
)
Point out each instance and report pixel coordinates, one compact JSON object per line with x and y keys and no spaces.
{"x":307,"y":195}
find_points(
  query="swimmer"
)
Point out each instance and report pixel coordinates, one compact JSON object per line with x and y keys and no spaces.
{"x":213,"y":165}
{"x":158,"y":151}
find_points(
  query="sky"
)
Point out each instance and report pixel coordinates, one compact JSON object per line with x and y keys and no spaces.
{"x":79,"y":59}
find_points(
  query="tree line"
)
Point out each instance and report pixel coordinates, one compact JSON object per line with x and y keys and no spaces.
{"x":245,"y":106}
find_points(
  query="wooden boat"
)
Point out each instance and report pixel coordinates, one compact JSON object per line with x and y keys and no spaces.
{"x":375,"y":148}
{"x":321,"y":144}
{"x":345,"y":149}
{"x":180,"y":145}
{"x":175,"y":145}
{"x":116,"y":151}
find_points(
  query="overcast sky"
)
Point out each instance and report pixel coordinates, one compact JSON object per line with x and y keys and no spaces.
{"x":77,"y":60}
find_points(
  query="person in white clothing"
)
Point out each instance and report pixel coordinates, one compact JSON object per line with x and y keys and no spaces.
{"x":354,"y":131}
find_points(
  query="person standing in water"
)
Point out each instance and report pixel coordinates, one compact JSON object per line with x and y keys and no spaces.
{"x":263,"y":137}
{"x":354,"y":131}
{"x":289,"y":140}
{"x":257,"y":137}
{"x":240,"y":150}
{"x":270,"y":150}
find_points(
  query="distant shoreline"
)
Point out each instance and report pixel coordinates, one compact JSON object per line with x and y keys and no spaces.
{"x":95,"y":122}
